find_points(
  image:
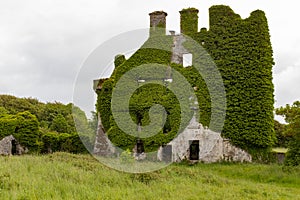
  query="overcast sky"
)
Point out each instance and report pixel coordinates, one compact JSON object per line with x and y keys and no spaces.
{"x":43,"y":44}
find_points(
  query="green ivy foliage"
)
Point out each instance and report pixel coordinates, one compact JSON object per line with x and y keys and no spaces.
{"x":155,"y":50}
{"x":189,"y":21}
{"x":119,"y":59}
{"x":242,"y":51}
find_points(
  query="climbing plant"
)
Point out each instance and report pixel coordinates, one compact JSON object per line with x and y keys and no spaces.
{"x":189,"y":21}
{"x":242,"y":52}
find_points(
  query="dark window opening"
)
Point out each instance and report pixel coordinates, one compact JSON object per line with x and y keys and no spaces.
{"x":140,"y":146}
{"x":194,"y":150}
{"x":13,"y":147}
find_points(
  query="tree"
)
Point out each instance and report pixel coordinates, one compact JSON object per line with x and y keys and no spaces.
{"x":44,"y":127}
{"x":27,"y":131}
{"x":282,"y":138}
{"x":59,"y":124}
{"x":93,"y":122}
{"x":3,"y":111}
{"x":292,"y":117}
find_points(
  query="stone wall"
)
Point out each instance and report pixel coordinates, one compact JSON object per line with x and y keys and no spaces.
{"x":212,"y":147}
{"x":158,"y":18}
{"x":103,"y":146}
{"x":158,"y":23}
{"x":6,"y":146}
{"x":178,"y":50}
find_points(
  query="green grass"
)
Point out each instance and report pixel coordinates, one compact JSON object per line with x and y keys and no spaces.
{"x":67,"y":176}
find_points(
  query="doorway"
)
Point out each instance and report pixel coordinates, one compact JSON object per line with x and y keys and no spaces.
{"x":194,"y":149}
{"x":140,"y":146}
{"x":13,"y":147}
{"x":167,"y":153}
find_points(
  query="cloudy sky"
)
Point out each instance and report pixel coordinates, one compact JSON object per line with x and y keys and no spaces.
{"x":44,"y":44}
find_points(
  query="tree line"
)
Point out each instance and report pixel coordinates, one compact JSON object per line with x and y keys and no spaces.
{"x":288,"y":135}
{"x":49,"y":127}
{"x":46,"y":127}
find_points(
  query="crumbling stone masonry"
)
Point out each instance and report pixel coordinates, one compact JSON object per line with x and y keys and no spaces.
{"x":197,"y":143}
{"x":10,"y":146}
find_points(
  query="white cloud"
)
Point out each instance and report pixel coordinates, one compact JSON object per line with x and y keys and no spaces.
{"x":287,"y":85}
{"x":44,"y":43}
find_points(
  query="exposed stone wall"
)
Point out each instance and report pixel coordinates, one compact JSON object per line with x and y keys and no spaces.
{"x":178,"y":50}
{"x":158,"y":23}
{"x":103,"y":146}
{"x":6,"y":146}
{"x":232,"y":153}
{"x":158,"y":18}
{"x":212,"y":147}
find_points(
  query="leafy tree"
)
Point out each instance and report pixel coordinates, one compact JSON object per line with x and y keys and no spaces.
{"x":50,"y":141}
{"x":15,"y":105}
{"x":8,"y":124}
{"x":59,"y":124}
{"x":292,"y":117}
{"x":44,"y":127}
{"x":27,"y":130}
{"x":282,"y":137}
{"x":93,"y":122}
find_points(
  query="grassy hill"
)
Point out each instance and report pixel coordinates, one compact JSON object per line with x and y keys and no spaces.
{"x":68,"y":176}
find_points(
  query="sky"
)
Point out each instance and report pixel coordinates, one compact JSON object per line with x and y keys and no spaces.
{"x":45,"y":44}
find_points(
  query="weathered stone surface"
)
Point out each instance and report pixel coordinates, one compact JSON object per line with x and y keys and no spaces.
{"x":158,"y":23}
{"x":138,"y":151}
{"x":178,"y":50}
{"x":103,"y":146}
{"x":158,"y":18}
{"x":9,"y":145}
{"x":212,"y":147}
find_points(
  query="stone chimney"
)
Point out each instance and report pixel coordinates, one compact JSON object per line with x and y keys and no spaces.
{"x":189,"y":21}
{"x":158,"y":23}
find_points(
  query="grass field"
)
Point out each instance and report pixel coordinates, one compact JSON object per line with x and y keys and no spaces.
{"x":67,"y":176}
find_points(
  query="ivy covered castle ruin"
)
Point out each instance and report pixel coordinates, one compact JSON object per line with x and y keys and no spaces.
{"x":241,"y":50}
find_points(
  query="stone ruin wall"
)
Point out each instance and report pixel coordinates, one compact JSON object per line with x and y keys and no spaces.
{"x":212,"y":147}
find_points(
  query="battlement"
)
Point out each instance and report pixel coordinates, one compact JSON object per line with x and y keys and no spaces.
{"x":220,"y":16}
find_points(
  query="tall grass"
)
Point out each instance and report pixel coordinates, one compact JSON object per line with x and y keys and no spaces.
{"x":67,"y":176}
